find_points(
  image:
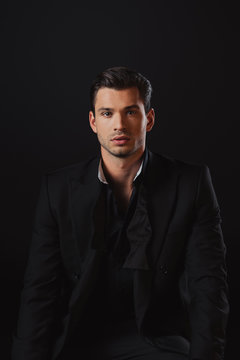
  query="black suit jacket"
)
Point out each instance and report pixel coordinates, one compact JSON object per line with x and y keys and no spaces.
{"x":179,"y":278}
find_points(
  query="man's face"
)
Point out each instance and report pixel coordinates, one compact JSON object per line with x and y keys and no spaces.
{"x":120,"y":121}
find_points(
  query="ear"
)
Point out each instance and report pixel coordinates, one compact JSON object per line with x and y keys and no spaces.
{"x":92,"y":122}
{"x":150,"y":119}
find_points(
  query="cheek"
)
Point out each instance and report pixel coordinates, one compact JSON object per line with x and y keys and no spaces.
{"x":142,"y":127}
{"x":98,"y":126}
{"x":102,"y":130}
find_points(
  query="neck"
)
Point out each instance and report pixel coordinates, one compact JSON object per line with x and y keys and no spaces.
{"x":120,"y":172}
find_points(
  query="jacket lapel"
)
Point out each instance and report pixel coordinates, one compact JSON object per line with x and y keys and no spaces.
{"x":161,"y":186}
{"x":87,"y":208}
{"x":154,"y":209}
{"x":160,"y":183}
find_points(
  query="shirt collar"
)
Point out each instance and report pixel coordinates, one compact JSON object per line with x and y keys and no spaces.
{"x":102,"y":177}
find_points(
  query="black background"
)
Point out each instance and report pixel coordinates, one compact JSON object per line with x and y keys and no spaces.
{"x":50,"y":52}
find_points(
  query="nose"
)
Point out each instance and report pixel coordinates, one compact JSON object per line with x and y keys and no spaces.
{"x":119,"y":122}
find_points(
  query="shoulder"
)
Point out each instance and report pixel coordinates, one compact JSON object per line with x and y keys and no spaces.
{"x":75,"y":170}
{"x":189,"y":176}
{"x":163,"y":162}
{"x":193,"y":179}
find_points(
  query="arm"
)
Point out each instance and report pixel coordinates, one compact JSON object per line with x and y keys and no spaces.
{"x":41,"y":286}
{"x":206,"y":272}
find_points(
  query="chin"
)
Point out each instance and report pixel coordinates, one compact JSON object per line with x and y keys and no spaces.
{"x":124,"y":152}
{"x":121,"y":152}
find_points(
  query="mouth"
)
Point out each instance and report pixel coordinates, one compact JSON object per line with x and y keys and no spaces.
{"x":120,"y":140}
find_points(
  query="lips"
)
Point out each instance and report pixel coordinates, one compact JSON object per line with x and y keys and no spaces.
{"x":120,"y":140}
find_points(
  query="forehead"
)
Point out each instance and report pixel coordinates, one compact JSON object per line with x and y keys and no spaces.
{"x":109,"y":98}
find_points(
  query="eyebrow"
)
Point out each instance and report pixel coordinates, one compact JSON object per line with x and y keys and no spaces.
{"x":134,"y":106}
{"x":104,"y":109}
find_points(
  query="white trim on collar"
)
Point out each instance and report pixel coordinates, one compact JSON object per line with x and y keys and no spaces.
{"x":102,"y":178}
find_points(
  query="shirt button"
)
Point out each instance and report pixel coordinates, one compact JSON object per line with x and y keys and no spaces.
{"x":76,"y":276}
{"x":164,"y":269}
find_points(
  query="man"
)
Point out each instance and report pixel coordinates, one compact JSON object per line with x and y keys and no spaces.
{"x":127,"y":258}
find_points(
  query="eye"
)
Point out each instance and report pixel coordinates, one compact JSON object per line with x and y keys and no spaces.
{"x":131,"y":112}
{"x":106,"y":113}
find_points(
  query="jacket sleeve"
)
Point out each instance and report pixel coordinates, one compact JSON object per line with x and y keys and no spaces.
{"x":33,"y":337}
{"x":206,"y":272}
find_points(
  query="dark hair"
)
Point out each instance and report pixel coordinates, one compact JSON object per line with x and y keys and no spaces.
{"x":120,"y":78}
